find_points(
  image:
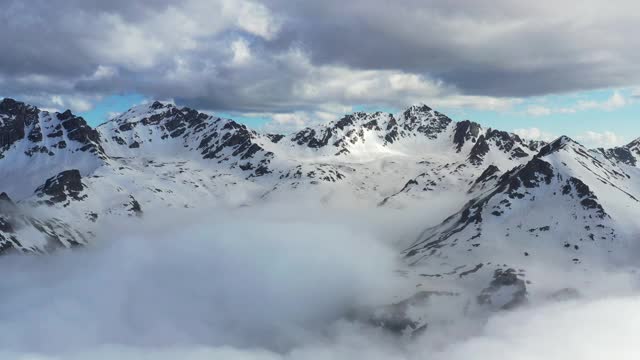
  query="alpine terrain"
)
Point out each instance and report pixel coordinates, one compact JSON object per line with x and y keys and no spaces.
{"x":507,"y":202}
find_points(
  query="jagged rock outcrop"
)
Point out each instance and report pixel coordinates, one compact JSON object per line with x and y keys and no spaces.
{"x":62,"y":188}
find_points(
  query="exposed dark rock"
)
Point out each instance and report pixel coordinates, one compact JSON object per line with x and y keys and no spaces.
{"x":157,"y":105}
{"x":414,"y":120}
{"x":556,"y":145}
{"x":35,"y":135}
{"x":92,"y":216}
{"x":488,"y":174}
{"x":391,"y":136}
{"x":308,"y":137}
{"x":78,"y":130}
{"x":119,"y":140}
{"x":465,"y":130}
{"x":529,"y":176}
{"x":392,"y":123}
{"x":506,"y":291}
{"x":479,"y":150}
{"x":471,"y":271}
{"x":61,"y":188}
{"x":134,"y":206}
{"x":344,"y":122}
{"x":126,"y":127}
{"x":621,"y":154}
{"x":275,"y":138}
{"x":519,"y":153}
{"x":60,"y":145}
{"x":14,"y":117}
{"x":589,"y":199}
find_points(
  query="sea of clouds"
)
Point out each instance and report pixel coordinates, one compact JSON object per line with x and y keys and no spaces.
{"x":272,"y":283}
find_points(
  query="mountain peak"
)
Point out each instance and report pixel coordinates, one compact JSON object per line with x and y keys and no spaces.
{"x":420,"y":108}
{"x":557,"y":145}
{"x":157,"y":105}
{"x":8,"y":102}
{"x":5,"y":199}
{"x":635,"y":144}
{"x":10,"y":106}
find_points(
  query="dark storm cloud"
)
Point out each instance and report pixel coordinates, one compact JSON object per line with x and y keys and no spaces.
{"x":281,"y":55}
{"x":500,"y":48}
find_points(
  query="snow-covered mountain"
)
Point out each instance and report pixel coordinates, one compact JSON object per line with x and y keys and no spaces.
{"x":501,"y":196}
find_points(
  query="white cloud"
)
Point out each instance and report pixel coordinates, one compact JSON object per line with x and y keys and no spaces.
{"x":173,"y":31}
{"x":538,"y":110}
{"x":112,"y":114}
{"x":227,"y":285}
{"x":75,"y":103}
{"x":241,"y":52}
{"x":534,"y":134}
{"x":590,"y":139}
{"x":104,"y":72}
{"x":339,"y":84}
{"x":615,"y":101}
{"x":295,"y":119}
{"x":604,"y":139}
{"x":253,"y":17}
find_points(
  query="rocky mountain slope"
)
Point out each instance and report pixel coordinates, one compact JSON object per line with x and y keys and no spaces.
{"x":161,"y":155}
{"x":502,"y":197}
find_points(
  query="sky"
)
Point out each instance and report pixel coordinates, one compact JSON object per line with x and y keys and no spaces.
{"x":541,"y":69}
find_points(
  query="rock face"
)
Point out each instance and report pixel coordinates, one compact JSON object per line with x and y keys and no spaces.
{"x":14,"y":118}
{"x":62,"y":188}
{"x":505,"y":292}
{"x":43,"y":131}
{"x":134,"y":206}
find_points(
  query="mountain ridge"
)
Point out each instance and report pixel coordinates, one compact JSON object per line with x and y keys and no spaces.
{"x":160,"y":155}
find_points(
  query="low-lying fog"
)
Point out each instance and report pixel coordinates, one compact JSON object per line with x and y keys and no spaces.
{"x":271,"y":283}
